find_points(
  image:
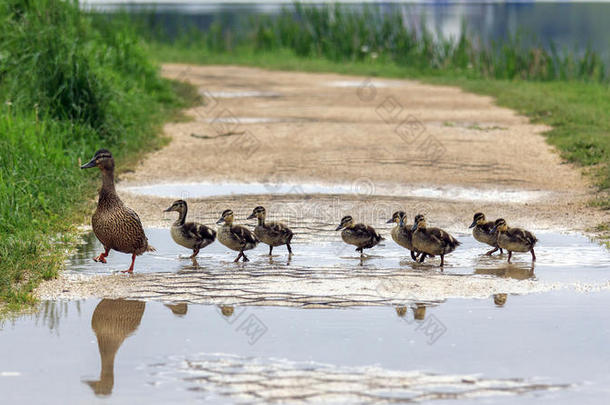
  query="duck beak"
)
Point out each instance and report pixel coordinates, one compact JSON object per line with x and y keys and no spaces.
{"x":414,"y":227}
{"x":389,"y":221}
{"x":251,"y":216}
{"x":339,"y":227}
{"x":474,"y":223}
{"x":220,"y":221}
{"x":89,"y":165}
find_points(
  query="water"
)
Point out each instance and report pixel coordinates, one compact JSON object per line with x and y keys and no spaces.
{"x":573,"y":25}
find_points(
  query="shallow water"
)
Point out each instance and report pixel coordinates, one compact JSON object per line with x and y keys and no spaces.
{"x":545,"y":348}
{"x":208,"y":189}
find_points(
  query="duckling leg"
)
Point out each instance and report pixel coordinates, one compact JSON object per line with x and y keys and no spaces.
{"x":492,"y":251}
{"x":509,"y":255}
{"x":102,"y":257}
{"x":533,"y":255}
{"x":238,"y":257}
{"x":195,"y":253}
{"x":413,"y":255}
{"x":442,"y":260}
{"x":245,"y":259}
{"x":361,"y":252}
{"x":130,"y":269}
{"x":501,"y":251}
{"x":422,"y":257}
{"x":270,"y":249}
{"x":289,"y":248}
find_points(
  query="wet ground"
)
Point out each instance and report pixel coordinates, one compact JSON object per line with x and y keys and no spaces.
{"x":322,"y":327}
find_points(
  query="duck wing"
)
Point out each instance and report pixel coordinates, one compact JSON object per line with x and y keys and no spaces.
{"x":243,"y":234}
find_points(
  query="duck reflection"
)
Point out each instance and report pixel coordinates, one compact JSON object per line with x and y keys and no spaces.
{"x":500,"y":299}
{"x":113,"y":321}
{"x":510,"y":271}
{"x":179,"y":309}
{"x":419,"y":311}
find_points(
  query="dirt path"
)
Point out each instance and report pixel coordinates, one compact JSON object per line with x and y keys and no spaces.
{"x":376,"y":135}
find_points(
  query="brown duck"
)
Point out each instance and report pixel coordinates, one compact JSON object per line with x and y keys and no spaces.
{"x":116,"y":226}
{"x":432,"y":241}
{"x":481,"y":230}
{"x":271,"y":233}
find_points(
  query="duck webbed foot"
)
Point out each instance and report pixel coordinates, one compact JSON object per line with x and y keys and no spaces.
{"x":492,"y":251}
{"x":102,"y":257}
{"x":130,"y":269}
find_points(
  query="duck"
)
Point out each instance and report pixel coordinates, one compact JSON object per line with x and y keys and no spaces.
{"x":481,"y":230}
{"x":514,"y":239}
{"x":271,"y":233}
{"x":402,"y":234}
{"x":431,"y":241}
{"x":235,"y":237}
{"x":191,"y":235}
{"x":115,"y":225}
{"x":360,"y":235}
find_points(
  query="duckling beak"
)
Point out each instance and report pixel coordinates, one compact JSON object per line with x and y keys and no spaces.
{"x":339,"y":227}
{"x":389,"y":221}
{"x":89,"y":165}
{"x":220,"y":221}
{"x":251,"y":216}
{"x":493,"y":229}
{"x":414,"y":227}
{"x":168,"y":209}
{"x":474,"y":223}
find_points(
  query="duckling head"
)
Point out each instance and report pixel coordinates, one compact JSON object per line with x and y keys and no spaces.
{"x":227,"y":216}
{"x":102,"y":159}
{"x":398,"y":217}
{"x":258,"y":212}
{"x":499,"y":225}
{"x":346,"y":222}
{"x":419,"y":222}
{"x":178,"y":206}
{"x":478,"y":219}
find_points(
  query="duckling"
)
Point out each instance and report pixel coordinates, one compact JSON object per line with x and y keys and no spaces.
{"x":235,"y":237}
{"x":514,"y":239}
{"x":401,"y":233}
{"x":482,"y":232}
{"x":360,"y":235}
{"x":191,"y":235}
{"x":116,"y":226}
{"x":431,"y":241}
{"x":271,"y":233}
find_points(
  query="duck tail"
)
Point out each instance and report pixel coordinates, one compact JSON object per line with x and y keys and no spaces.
{"x":150,"y":248}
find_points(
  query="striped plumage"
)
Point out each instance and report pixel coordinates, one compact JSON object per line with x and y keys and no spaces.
{"x":271,"y":233}
{"x":481,"y":230}
{"x":235,"y":237}
{"x":432,"y":241}
{"x":191,"y":235}
{"x":402,"y":234}
{"x":514,"y":239}
{"x":360,"y":235}
{"x":116,"y":226}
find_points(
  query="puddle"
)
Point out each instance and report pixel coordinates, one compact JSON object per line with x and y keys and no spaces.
{"x":548,"y":347}
{"x":209,"y":189}
{"x":365,"y":83}
{"x":239,"y":94}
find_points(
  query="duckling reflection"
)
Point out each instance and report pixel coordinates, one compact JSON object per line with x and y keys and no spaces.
{"x":500,"y":299}
{"x":510,"y":271}
{"x":419,"y":312}
{"x":227,"y":310}
{"x":401,"y":311}
{"x":180,"y":309}
{"x":113,"y":321}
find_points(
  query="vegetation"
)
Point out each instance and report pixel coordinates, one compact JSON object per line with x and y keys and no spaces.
{"x":66,"y":89}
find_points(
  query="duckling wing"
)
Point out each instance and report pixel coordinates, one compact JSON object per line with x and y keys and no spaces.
{"x":199,"y":232}
{"x":278,"y":230}
{"x":443,"y":238}
{"x":362,"y":231}
{"x":243,"y":234}
{"x":522,"y":236}
{"x":487,"y":227}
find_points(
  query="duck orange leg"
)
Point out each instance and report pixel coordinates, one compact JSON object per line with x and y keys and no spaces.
{"x":102,"y":257}
{"x":130,"y":269}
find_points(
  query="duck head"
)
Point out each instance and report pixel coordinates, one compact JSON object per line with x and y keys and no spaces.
{"x":102,"y":159}
{"x":258,"y":212}
{"x":419,"y":222}
{"x":346,"y":222}
{"x":398,"y":217}
{"x":499,"y":225}
{"x":227,"y":217}
{"x":178,"y":206}
{"x":478,"y":219}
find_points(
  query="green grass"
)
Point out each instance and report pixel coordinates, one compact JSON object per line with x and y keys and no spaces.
{"x":67,"y":88}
